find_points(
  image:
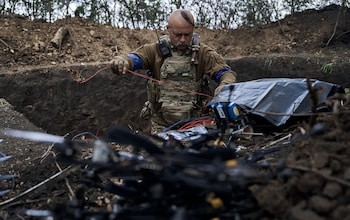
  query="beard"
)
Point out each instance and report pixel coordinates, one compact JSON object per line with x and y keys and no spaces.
{"x":182,"y":46}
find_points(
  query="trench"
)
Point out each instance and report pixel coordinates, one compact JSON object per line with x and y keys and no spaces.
{"x":51,"y":100}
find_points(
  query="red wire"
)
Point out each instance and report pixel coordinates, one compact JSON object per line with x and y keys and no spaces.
{"x":169,"y":84}
{"x":93,"y":75}
{"x":196,"y":122}
{"x":81,"y":81}
{"x":191,"y":124}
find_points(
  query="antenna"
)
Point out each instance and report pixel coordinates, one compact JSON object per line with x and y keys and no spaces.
{"x":157,"y":35}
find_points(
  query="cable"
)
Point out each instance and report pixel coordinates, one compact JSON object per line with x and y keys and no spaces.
{"x":297,"y":114}
{"x":169,"y":84}
{"x":85,"y":133}
{"x":200,"y":121}
{"x":80,"y":79}
{"x":186,"y":120}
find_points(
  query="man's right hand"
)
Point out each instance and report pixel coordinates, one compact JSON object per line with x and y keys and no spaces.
{"x":120,"y":65}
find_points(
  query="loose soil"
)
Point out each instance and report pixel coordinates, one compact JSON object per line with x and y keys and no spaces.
{"x":41,"y":91}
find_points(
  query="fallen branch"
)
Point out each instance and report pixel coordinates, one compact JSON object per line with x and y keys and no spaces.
{"x":61,"y":33}
{"x":344,"y":33}
{"x":70,"y":189}
{"x":60,"y":174}
{"x":335,"y":27}
{"x":6,"y":45}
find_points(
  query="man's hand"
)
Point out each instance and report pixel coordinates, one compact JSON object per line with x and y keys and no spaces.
{"x":120,"y":65}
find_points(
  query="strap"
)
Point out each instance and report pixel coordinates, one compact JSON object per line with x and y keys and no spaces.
{"x":195,"y":48}
{"x":164,"y":47}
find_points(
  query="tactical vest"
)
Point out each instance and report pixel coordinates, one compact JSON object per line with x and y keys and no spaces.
{"x":177,"y":71}
{"x":173,"y":99}
{"x":177,"y":103}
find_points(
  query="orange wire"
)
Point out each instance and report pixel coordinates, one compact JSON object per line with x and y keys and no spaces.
{"x":196,"y":122}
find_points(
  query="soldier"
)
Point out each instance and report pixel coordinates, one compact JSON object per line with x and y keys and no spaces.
{"x":177,"y":59}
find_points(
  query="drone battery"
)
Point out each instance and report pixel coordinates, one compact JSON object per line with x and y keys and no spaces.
{"x":220,"y":111}
{"x":232,"y":111}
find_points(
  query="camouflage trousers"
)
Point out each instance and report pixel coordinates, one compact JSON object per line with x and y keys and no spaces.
{"x":168,"y":115}
{"x":156,"y":126}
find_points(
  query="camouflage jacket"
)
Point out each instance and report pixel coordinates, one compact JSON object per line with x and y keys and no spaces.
{"x":169,"y":105}
{"x":209,"y":62}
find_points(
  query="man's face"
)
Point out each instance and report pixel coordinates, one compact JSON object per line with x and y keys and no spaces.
{"x":180,"y":34}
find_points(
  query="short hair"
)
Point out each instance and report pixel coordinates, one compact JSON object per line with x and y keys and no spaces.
{"x":185,"y":14}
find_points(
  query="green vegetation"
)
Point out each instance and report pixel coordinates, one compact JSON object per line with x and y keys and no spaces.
{"x":268,"y":63}
{"x":223,"y":14}
{"x":327,"y":68}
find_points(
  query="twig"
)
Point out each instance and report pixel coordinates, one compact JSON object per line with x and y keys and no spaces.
{"x":346,"y":32}
{"x":4,"y":43}
{"x":28,"y":201}
{"x":72,"y":194}
{"x":335,"y":27}
{"x":71,"y":35}
{"x":61,"y":174}
{"x":331,"y":178}
{"x":49,"y":150}
{"x":46,"y":153}
{"x":287,"y":137}
{"x":20,"y":217}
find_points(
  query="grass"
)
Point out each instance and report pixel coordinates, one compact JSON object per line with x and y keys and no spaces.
{"x":327,"y":68}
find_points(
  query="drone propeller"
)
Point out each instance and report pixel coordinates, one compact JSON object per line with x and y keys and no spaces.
{"x":60,"y":143}
{"x":34,"y":136}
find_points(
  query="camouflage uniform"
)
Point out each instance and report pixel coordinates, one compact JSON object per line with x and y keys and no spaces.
{"x":167,"y":104}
